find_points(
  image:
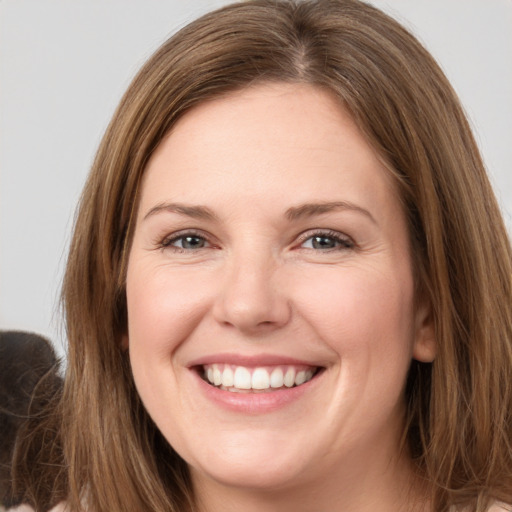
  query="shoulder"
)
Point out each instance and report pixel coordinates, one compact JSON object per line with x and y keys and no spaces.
{"x":61,"y":507}
{"x":494,"y":507}
{"x":500,"y":507}
{"x":19,"y":508}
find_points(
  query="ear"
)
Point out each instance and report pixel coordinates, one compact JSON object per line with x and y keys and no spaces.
{"x":425,"y":345}
{"x":125,"y":341}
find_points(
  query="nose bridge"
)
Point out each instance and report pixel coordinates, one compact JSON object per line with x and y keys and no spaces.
{"x":252,"y":297}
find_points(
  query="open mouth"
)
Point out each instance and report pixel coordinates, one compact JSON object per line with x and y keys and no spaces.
{"x":261,"y":379}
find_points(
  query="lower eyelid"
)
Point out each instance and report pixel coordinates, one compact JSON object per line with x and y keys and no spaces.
{"x":168,"y":241}
{"x":343,"y":241}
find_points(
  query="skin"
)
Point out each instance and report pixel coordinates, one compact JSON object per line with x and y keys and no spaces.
{"x":257,"y":282}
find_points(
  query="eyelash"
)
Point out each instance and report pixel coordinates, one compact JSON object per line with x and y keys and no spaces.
{"x":344,"y":241}
{"x":167,"y":242}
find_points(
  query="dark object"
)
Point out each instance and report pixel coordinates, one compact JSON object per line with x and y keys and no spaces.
{"x":28,"y":378}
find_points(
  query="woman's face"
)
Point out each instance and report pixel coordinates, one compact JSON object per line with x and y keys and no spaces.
{"x":270,"y":292}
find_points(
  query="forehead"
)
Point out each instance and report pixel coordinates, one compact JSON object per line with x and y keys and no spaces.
{"x":268,"y":142}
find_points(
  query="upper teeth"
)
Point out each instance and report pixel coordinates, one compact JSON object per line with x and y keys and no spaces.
{"x":243,"y":378}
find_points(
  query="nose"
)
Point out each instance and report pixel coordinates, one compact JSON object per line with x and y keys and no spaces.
{"x":252,"y":298}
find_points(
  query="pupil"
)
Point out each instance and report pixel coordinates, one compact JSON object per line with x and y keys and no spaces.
{"x":192,"y":242}
{"x":323,"y":242}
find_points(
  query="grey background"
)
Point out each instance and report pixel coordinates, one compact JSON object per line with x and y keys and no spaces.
{"x":64,"y":65}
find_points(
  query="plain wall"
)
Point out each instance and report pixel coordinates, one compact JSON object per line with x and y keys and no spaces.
{"x":64,"y":66}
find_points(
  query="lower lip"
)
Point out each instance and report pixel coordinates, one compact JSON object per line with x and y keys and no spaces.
{"x":255,"y":403}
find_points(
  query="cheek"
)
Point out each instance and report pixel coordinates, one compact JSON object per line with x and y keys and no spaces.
{"x":163,"y":307}
{"x":361,"y":310}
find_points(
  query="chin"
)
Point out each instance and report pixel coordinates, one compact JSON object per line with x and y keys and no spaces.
{"x":258,"y":475}
{"x":253,"y":463}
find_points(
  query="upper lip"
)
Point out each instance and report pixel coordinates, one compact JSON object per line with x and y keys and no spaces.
{"x":251,"y":360}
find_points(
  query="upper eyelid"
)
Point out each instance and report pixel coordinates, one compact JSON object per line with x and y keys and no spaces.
{"x":302,"y":237}
{"x":169,"y":240}
{"x":176,"y":235}
{"x":325,"y":232}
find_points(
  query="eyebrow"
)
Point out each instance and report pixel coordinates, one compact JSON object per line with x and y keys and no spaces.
{"x":196,"y":212}
{"x":312,"y":209}
{"x":293,"y":213}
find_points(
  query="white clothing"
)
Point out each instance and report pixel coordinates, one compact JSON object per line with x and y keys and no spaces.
{"x":61,"y":507}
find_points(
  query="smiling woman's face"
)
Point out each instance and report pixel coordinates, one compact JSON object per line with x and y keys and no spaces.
{"x":270,"y":249}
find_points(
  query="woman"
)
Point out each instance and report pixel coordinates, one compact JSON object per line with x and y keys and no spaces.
{"x":289,"y":285}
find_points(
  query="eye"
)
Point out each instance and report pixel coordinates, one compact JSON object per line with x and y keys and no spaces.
{"x":186,"y":242}
{"x":326,"y":240}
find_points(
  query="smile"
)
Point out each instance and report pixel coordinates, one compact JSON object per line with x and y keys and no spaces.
{"x":243,"y":379}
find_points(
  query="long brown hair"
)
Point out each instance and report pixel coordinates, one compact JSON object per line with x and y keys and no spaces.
{"x":459,"y":427}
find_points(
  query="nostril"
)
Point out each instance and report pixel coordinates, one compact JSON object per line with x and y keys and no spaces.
{"x":250,"y":299}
